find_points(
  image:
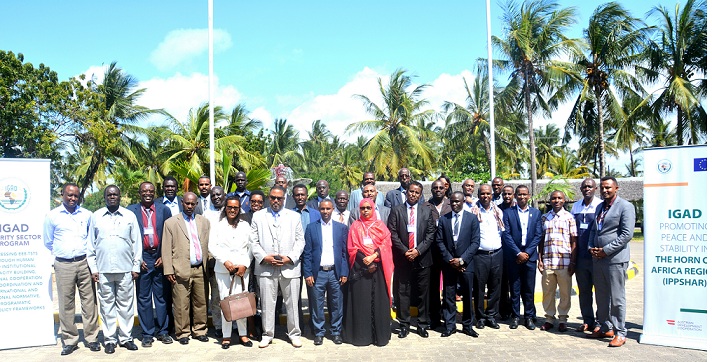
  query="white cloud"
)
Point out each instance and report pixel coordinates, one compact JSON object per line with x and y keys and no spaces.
{"x":263,"y":115}
{"x":183,"y":45}
{"x":95,"y":73}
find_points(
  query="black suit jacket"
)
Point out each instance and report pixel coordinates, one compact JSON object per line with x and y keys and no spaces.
{"x":163,"y":213}
{"x":425,"y":235}
{"x":512,"y":235}
{"x":395,"y":198}
{"x":468,"y":240}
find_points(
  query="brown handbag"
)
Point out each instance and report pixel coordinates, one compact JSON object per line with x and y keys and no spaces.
{"x":240,"y":305}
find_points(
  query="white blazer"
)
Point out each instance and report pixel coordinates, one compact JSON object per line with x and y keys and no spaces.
{"x":230,"y":244}
{"x":285,"y":237}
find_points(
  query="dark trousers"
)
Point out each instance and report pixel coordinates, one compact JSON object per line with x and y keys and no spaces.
{"x":434,"y":302}
{"x":505,"y":302}
{"x":451,"y":279}
{"x":407,"y":280}
{"x":584,"y":279}
{"x":488,"y":275}
{"x":522,"y":280}
{"x":152,"y":289}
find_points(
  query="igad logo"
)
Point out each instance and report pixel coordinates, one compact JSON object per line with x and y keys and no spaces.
{"x":664,"y":166}
{"x":14,"y":195}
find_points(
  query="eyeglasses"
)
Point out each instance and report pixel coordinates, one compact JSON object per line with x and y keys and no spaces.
{"x":365,"y":208}
{"x":232,"y":208}
{"x":276,"y":197}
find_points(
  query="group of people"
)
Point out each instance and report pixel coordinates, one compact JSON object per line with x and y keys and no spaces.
{"x":360,"y":255}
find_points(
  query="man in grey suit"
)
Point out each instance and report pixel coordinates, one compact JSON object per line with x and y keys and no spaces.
{"x":382,"y":212}
{"x":398,"y":196}
{"x":277,"y":240}
{"x":608,"y":244}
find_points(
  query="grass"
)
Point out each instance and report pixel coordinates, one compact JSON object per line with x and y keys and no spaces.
{"x":637,"y":236}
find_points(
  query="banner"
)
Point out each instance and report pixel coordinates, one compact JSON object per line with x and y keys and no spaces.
{"x":675,"y":230}
{"x":26,"y":308}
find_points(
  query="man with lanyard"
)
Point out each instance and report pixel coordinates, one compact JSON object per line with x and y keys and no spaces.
{"x":241,"y":191}
{"x":584,"y":211}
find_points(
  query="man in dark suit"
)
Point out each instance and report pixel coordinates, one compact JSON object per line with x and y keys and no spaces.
{"x":458,"y":238}
{"x":520,"y":240}
{"x":370,"y":192}
{"x":241,"y":191}
{"x":322,"y":193}
{"x":204,"y":187}
{"x":185,"y":257}
{"x":169,"y":199}
{"x":289,"y":203}
{"x":608,"y":244}
{"x":325,"y":270}
{"x":398,"y":196}
{"x":439,"y":206}
{"x":152,"y":288}
{"x":412,"y":233}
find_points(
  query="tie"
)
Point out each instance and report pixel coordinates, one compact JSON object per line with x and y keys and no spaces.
{"x":194,"y":238}
{"x":205,"y":205}
{"x":403,"y":196}
{"x":457,"y":226}
{"x":149,"y":225}
{"x":411,"y":222}
{"x":341,"y":217}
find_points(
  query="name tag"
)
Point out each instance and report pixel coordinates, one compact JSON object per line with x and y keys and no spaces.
{"x":600,"y":226}
{"x":584,"y":226}
{"x":411,"y":228}
{"x":148,"y":231}
{"x":367,"y":241}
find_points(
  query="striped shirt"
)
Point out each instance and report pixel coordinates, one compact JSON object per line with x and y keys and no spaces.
{"x":558,"y":230}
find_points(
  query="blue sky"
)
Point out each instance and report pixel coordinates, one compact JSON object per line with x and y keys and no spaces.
{"x":300,"y":60}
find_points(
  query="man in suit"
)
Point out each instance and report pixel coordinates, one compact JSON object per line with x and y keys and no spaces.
{"x":608,"y":244}
{"x":204,"y":186}
{"x":185,"y":257}
{"x":277,"y":240}
{"x":322,"y":193}
{"x":241,"y":191}
{"x":307,"y":214}
{"x":288,"y":203}
{"x":169,"y":199}
{"x":369,"y":178}
{"x":497,"y":186}
{"x":412,"y":233}
{"x":341,"y":212}
{"x":398,"y":196}
{"x":325,"y":270}
{"x":151,"y":287}
{"x":505,"y":301}
{"x":468,"y":188}
{"x":520,"y":239}
{"x":439,"y":205}
{"x":584,"y":211}
{"x":458,"y":238}
{"x":382,"y":212}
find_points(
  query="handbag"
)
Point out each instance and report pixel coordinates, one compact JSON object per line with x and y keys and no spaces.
{"x":240,"y":305}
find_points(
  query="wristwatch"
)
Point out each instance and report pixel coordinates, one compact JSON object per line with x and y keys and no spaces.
{"x":462,"y":262}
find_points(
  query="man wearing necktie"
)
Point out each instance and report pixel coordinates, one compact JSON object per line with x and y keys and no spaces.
{"x":412,"y":233}
{"x":398,"y":196}
{"x":185,"y":256}
{"x":341,"y":213}
{"x":204,"y":187}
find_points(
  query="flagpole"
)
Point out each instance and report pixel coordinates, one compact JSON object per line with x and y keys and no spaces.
{"x":210,"y":92}
{"x":493,"y":171}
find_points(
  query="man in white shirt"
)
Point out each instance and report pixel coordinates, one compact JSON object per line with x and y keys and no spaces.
{"x":341,"y":213}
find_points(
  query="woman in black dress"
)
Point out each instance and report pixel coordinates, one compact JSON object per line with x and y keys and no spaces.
{"x":367,"y":313}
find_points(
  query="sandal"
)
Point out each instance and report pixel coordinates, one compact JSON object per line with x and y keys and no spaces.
{"x":246,"y":341}
{"x":225,"y":343}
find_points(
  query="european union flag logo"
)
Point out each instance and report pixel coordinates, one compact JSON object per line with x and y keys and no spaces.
{"x":700,"y":164}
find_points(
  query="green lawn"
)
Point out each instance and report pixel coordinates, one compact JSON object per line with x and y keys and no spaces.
{"x":637,"y":236}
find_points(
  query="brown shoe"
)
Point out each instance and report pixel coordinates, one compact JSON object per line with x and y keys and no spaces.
{"x":598,"y":334}
{"x":582,"y":328}
{"x":562,"y":327}
{"x":617,"y":341}
{"x":546,"y":326}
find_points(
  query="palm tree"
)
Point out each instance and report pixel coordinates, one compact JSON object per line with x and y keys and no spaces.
{"x":533,"y":39}
{"x":547,"y":148}
{"x":613,"y":41}
{"x":395,"y":143}
{"x":284,"y":144}
{"x":679,"y":56}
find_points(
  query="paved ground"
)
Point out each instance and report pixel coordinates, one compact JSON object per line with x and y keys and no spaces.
{"x":492,"y":345}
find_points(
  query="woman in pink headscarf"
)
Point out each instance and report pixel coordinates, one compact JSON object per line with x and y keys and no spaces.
{"x":367,"y":313}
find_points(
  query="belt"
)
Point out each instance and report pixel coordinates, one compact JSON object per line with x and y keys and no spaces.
{"x":150,"y":250}
{"x":326,"y":267}
{"x":488,"y":252}
{"x":197,"y":266}
{"x":71,"y":260}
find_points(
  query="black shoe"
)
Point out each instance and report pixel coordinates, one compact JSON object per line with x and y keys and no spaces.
{"x":147,"y":342}
{"x":203,"y":338}
{"x":404,"y":330}
{"x":183,"y":340}
{"x":109,"y":348}
{"x":68,"y":349}
{"x":422,"y":332}
{"x":218,"y":334}
{"x":165,"y":339}
{"x":480,"y":324}
{"x":130,"y":345}
{"x":515,"y":323}
{"x":529,"y":323}
{"x":447,"y":333}
{"x":492,"y":323}
{"x":338,"y":340}
{"x":318,"y":340}
{"x":470,"y":332}
{"x":94,"y":347}
{"x":247,"y":343}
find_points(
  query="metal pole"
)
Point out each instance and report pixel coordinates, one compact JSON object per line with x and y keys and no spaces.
{"x":493,"y":171}
{"x":210,"y":92}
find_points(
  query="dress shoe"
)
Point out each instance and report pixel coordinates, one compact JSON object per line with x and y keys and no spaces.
{"x":582,"y":328}
{"x":225,"y":344}
{"x":318,"y":340}
{"x":130,"y":345}
{"x":109,"y":348}
{"x":529,"y":323}
{"x":447,"y":333}
{"x":264,"y":343}
{"x":480,"y":324}
{"x":492,"y":323}
{"x":422,"y":332}
{"x":337,"y":339}
{"x":183,"y":340}
{"x":68,"y":349}
{"x":597,"y":333}
{"x":470,"y":332}
{"x":617,"y":341}
{"x":147,"y":342}
{"x":296,"y":342}
{"x":515,"y":323}
{"x":404,"y":330}
{"x":247,"y":343}
{"x":165,"y":339}
{"x":94,"y":347}
{"x":203,"y":338}
{"x":547,"y":326}
{"x":562,"y":327}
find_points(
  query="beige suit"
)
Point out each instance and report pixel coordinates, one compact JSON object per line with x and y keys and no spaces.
{"x":190,"y":281}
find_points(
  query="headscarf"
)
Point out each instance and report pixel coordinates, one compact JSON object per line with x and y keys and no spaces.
{"x":381,"y":237}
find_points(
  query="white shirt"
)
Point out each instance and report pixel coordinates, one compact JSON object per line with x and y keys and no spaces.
{"x":524,"y":222}
{"x":490,"y":235}
{"x":336,"y":214}
{"x":327,"y":243}
{"x":173,"y":205}
{"x":412,"y":227}
{"x":459,"y":219}
{"x":580,"y":208}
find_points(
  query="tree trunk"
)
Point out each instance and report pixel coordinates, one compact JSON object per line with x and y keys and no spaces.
{"x":633,"y":173}
{"x":601,"y":146}
{"x":532,"y":146}
{"x":680,"y":141}
{"x":88,"y":178}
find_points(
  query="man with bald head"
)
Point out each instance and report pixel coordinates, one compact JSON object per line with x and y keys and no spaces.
{"x":322,"y":193}
{"x":341,"y":213}
{"x":288,"y":199}
{"x":369,"y":178}
{"x":497,"y":187}
{"x":185,"y":256}
{"x":382,"y":212}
